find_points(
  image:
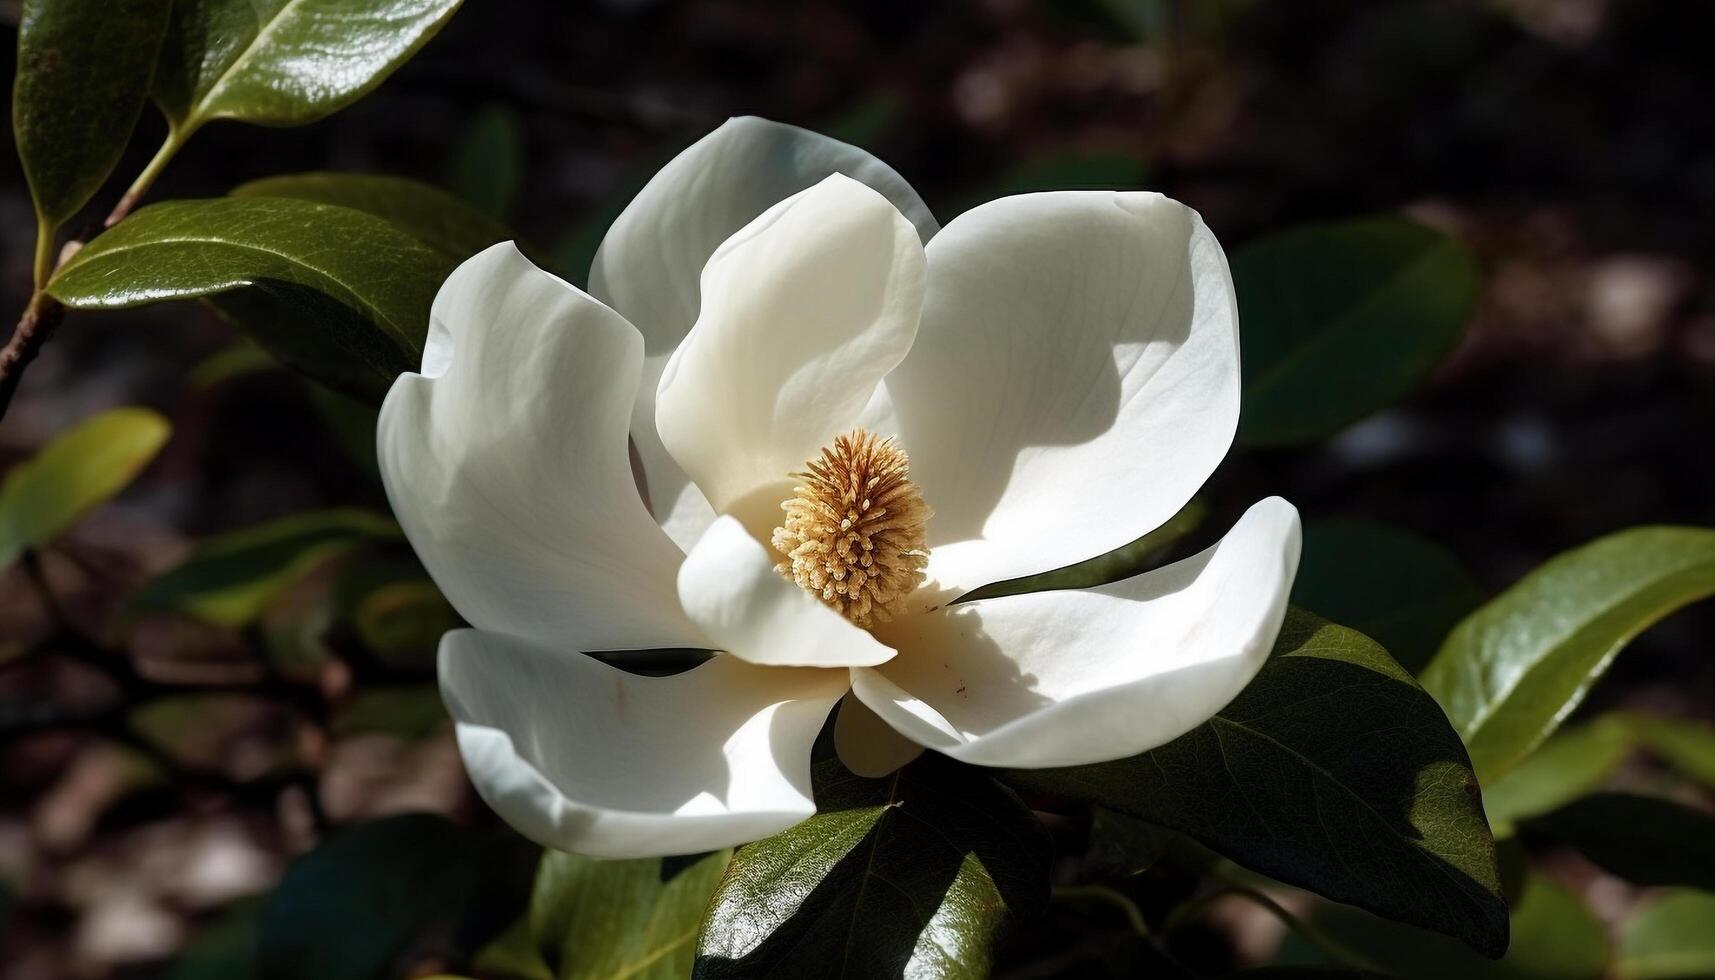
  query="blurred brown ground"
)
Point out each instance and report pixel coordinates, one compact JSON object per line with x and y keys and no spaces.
{"x":1570,"y":142}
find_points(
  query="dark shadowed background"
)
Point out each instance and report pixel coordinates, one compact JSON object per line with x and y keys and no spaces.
{"x":1569,"y":143}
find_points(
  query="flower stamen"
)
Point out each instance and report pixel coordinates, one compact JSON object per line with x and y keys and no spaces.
{"x":854,"y":529}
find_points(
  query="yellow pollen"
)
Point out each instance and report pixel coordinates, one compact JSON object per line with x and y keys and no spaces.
{"x":854,"y":529}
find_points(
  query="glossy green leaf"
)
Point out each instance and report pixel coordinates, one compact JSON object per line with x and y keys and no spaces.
{"x":1332,"y":771}
{"x":1670,"y":940}
{"x":1339,"y":320}
{"x":432,"y":216}
{"x":912,"y":874}
{"x":45,"y":495}
{"x":1512,"y":671}
{"x":1688,"y":747}
{"x":1554,"y":937}
{"x":1643,"y":839}
{"x":284,"y":62}
{"x":1574,"y":762}
{"x":488,"y":162}
{"x":229,"y":579}
{"x":340,"y":295}
{"x":1403,"y":591}
{"x":351,"y":907}
{"x":83,"y":74}
{"x":1121,"y":563}
{"x":596,"y":920}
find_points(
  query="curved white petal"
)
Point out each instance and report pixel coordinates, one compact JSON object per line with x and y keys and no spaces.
{"x":1069,"y":678}
{"x":650,"y":262}
{"x":803,"y":313}
{"x":866,"y":744}
{"x":584,"y":757}
{"x":1074,"y":381}
{"x":506,"y":464}
{"x":729,"y":588}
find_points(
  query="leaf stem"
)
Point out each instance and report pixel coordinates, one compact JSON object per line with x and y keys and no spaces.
{"x":44,"y":252}
{"x":1335,"y":951}
{"x":1133,"y":915}
{"x":175,"y":141}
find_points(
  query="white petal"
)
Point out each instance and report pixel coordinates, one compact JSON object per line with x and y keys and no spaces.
{"x":650,"y":262}
{"x":1074,"y":381}
{"x":803,"y":313}
{"x":729,"y":588}
{"x":506,"y":464}
{"x":1069,"y":678}
{"x":866,"y":744}
{"x":584,"y":757}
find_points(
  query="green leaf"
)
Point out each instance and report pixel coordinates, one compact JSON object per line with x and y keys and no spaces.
{"x":1339,"y":320}
{"x":1643,"y":839}
{"x":912,"y":874}
{"x":284,"y":62}
{"x":596,"y":920}
{"x":1553,"y":936}
{"x":488,"y":162}
{"x":1512,"y":671}
{"x":1332,"y":771}
{"x":432,"y":216}
{"x":45,"y":495}
{"x":340,"y":295}
{"x":229,"y":579}
{"x":1688,"y":747}
{"x":403,"y":622}
{"x":1572,"y":763}
{"x":1670,"y":939}
{"x":351,"y":907}
{"x":1401,"y":590}
{"x":83,"y":73}
{"x":1121,"y":563}
{"x":410,"y":711}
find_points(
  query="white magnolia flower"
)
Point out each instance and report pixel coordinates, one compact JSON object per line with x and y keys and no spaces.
{"x":1047,"y":378}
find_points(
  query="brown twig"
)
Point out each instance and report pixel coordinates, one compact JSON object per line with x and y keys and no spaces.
{"x":33,"y":330}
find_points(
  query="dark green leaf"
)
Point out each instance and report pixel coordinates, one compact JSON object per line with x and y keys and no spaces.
{"x":912,"y":874}
{"x":1553,"y":938}
{"x":338,"y":294}
{"x":488,"y":162}
{"x":1332,"y":771}
{"x":83,"y":73}
{"x":430,"y":215}
{"x":595,"y":920}
{"x":1670,"y":939}
{"x":1121,"y":563}
{"x":1399,"y":589}
{"x":1572,"y":763}
{"x":231,"y":578}
{"x":284,"y":62}
{"x":45,"y":495}
{"x":403,"y":622}
{"x":1511,"y":672}
{"x":1643,"y":839}
{"x":1340,"y":320}
{"x":351,"y":907}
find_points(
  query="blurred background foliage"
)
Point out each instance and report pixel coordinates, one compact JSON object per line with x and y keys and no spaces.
{"x":1544,"y":176}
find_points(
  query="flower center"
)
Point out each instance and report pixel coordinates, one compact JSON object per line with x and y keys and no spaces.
{"x":854,"y":529}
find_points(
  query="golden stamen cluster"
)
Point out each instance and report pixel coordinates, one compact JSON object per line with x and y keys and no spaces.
{"x":854,"y":530}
